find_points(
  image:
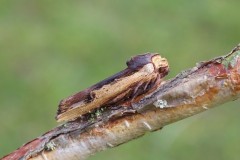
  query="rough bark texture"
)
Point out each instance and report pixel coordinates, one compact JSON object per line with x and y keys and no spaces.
{"x":193,"y":91}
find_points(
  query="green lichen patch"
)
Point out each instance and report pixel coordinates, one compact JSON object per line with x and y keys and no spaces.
{"x":50,"y":146}
{"x":96,"y":114}
{"x":231,"y":60}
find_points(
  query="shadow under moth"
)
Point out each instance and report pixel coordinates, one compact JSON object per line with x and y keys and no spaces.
{"x":143,"y":74}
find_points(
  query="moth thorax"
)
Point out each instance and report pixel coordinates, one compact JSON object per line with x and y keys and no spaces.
{"x":148,"y":68}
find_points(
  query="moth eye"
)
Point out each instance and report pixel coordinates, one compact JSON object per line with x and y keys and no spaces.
{"x":160,"y":69}
{"x":163,"y":69}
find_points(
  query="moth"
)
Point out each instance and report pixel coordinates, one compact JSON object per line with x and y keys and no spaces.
{"x":143,"y":74}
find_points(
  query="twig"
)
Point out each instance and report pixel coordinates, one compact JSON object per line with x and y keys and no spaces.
{"x":193,"y":91}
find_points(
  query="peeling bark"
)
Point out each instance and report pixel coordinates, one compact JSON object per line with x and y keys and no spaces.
{"x":193,"y":91}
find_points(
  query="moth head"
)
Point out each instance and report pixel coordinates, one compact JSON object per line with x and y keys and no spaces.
{"x":160,"y":64}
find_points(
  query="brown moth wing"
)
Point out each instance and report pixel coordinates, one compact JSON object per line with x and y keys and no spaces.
{"x":140,"y":68}
{"x":85,"y":95}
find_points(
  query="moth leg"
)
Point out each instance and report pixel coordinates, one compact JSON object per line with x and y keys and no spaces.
{"x":142,"y":88}
{"x":155,"y":82}
{"x":137,"y":90}
{"x":147,"y":85}
{"x":152,"y":83}
{"x":158,"y":79}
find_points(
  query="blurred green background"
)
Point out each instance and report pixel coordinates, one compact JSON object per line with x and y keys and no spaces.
{"x":51,"y":49}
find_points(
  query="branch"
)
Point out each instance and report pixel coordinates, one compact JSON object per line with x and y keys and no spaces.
{"x":193,"y":91}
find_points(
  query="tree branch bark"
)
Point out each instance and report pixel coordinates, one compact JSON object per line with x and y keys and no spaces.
{"x":193,"y":91}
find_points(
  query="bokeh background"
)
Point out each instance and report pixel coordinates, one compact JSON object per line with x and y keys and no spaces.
{"x":51,"y":49}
